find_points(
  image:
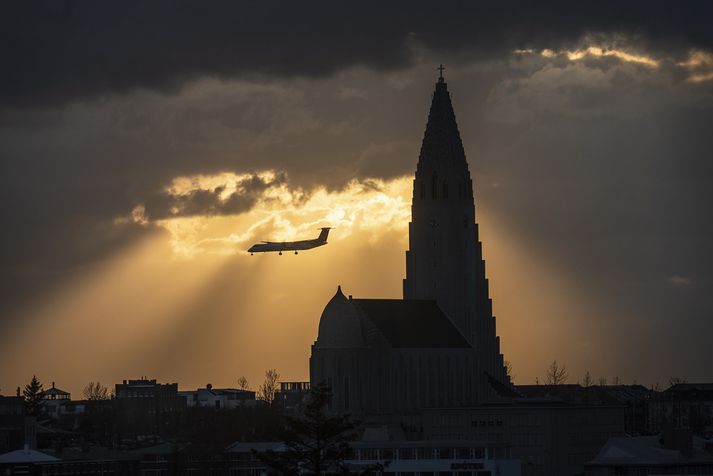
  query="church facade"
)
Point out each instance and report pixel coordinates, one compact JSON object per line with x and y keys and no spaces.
{"x":437,"y":347}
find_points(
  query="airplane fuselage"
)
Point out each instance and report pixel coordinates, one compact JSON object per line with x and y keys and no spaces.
{"x":286,"y":246}
{"x":280,"y":246}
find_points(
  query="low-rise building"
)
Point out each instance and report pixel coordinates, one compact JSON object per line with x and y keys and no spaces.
{"x":226,"y":398}
{"x":676,"y":452}
{"x":444,"y":458}
{"x":684,"y":405}
{"x":144,"y":407}
{"x":14,"y":425}
{"x":53,"y":399}
{"x":549,"y":436}
{"x":291,"y":395}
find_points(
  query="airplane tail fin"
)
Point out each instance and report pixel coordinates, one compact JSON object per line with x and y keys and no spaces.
{"x":323,"y":234}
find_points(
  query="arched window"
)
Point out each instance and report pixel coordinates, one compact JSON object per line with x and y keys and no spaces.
{"x":434,"y":186}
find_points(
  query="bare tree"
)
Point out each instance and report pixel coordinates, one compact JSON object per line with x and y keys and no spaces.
{"x":243,"y":383}
{"x":602,"y":381}
{"x":616,"y":380}
{"x":508,"y":370}
{"x":587,"y":380}
{"x":676,"y":380}
{"x":95,"y":391}
{"x":268,"y":389}
{"x":556,"y":374}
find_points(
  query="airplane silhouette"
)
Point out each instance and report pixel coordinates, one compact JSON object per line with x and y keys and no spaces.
{"x":280,"y":246}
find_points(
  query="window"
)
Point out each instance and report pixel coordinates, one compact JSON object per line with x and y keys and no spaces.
{"x":445,"y":190}
{"x":434,"y":186}
{"x":406,"y":453}
{"x":329,"y":384}
{"x":346,"y":393}
{"x":445,"y":453}
{"x":368,"y":454}
{"x":463,"y":453}
{"x":424,"y":453}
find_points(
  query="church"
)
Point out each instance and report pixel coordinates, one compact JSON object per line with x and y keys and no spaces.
{"x":437,"y":347}
{"x":428,"y":367}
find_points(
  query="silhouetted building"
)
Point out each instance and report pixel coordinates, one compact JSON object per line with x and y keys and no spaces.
{"x":549,"y":436}
{"x":291,"y":395}
{"x":683,"y":405}
{"x":54,"y":398}
{"x":226,"y":398}
{"x":387,"y":358}
{"x":54,"y":393}
{"x":634,"y":399}
{"x":430,"y":365}
{"x":95,"y":461}
{"x":145,"y":407}
{"x":403,"y":457}
{"x":13,"y":424}
{"x":679,"y":453}
{"x":637,"y":400}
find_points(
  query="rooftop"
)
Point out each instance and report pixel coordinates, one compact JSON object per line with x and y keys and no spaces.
{"x":412,"y":323}
{"x":646,"y":450}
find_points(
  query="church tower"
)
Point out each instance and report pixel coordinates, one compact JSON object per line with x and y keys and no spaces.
{"x":387,"y":360}
{"x":445,"y":261}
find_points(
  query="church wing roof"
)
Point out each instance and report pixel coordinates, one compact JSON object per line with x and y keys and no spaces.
{"x":412,"y":323}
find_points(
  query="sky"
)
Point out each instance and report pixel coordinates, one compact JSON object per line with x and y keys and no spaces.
{"x":145,"y":147}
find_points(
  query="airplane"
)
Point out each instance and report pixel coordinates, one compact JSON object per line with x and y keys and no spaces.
{"x":280,"y":246}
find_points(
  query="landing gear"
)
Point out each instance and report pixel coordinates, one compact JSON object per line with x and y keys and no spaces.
{"x":251,"y":254}
{"x":280,"y":253}
{"x":295,"y":252}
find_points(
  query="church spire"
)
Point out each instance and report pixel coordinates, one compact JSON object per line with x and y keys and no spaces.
{"x":441,"y":146}
{"x":444,"y":261}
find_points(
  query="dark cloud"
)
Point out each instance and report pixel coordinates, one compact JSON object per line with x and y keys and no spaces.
{"x":54,"y":52}
{"x":211,"y":202}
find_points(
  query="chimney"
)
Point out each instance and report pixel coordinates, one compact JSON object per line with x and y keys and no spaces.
{"x":52,"y":384}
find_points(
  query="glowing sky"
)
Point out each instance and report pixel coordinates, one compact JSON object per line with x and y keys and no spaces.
{"x":129,"y":199}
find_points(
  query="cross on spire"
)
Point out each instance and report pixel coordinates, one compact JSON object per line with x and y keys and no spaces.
{"x":440,"y":70}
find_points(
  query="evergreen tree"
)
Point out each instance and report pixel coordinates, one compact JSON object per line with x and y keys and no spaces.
{"x":33,"y":396}
{"x":316,"y":442}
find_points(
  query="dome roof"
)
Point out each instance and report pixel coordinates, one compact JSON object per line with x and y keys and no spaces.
{"x":339,"y":326}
